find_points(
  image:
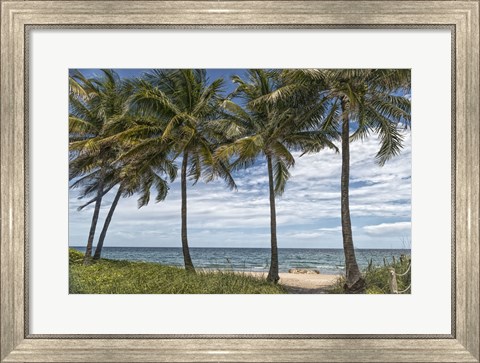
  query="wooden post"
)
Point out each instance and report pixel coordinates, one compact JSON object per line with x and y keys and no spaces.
{"x":394,"y":261}
{"x":393,"y":281}
{"x":384,"y":261}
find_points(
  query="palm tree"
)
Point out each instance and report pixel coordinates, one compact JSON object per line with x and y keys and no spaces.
{"x":129,"y":175}
{"x":138,"y":178}
{"x":361,"y":102}
{"x":186,"y":105}
{"x":269,"y":127}
{"x":92,"y":101}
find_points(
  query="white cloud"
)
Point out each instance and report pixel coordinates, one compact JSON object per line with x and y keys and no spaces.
{"x":383,"y":229}
{"x":308,"y":213}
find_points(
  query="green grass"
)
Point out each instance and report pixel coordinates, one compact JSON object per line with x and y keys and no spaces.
{"x":126,"y":277}
{"x":377,"y":278}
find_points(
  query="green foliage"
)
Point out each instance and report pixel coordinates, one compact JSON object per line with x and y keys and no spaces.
{"x":369,"y":97}
{"x":74,"y":256}
{"x":187,"y":107}
{"x":276,"y":120}
{"x":125,"y":277}
{"x":100,"y":123}
{"x":377,"y":278}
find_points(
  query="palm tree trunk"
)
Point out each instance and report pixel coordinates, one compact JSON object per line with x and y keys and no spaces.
{"x":273,"y":272}
{"x":355,"y":283}
{"x":186,"y":252}
{"x":101,"y":239}
{"x":93,"y":226}
{"x":94,"y":199}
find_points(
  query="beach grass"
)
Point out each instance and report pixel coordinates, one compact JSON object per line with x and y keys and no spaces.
{"x":377,"y":278}
{"x":127,"y":277}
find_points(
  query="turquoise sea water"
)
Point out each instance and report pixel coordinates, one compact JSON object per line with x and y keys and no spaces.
{"x":328,"y":261}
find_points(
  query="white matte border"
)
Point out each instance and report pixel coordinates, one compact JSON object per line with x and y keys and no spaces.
{"x":426,"y":311}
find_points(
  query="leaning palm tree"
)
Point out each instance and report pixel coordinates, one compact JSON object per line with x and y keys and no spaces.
{"x":92,"y":101}
{"x":361,"y":102}
{"x":138,"y":179}
{"x":130,"y":176}
{"x":186,"y":106}
{"x":269,"y":126}
{"x":135,"y":176}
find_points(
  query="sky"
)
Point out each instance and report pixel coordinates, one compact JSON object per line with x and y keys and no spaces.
{"x":212,"y":74}
{"x":308,"y":213}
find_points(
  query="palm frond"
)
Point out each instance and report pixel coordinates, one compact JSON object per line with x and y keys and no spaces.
{"x":280,"y":176}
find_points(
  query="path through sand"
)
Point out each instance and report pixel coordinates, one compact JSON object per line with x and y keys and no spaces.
{"x":303,"y":283}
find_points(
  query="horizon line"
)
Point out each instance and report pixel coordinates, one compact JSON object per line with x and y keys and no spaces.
{"x":266,"y":248}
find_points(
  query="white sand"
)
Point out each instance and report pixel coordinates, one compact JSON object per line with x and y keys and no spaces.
{"x":303,"y":283}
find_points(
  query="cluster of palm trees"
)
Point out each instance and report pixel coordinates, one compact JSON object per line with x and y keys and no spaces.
{"x":128,"y":135}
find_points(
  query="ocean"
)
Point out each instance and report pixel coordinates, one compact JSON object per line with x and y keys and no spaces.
{"x":327,"y":261}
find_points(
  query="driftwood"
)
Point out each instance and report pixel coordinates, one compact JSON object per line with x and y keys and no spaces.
{"x":303,"y":271}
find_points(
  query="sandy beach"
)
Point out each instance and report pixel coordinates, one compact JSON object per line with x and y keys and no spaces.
{"x":303,"y":283}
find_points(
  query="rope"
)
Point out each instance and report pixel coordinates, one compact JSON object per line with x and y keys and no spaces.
{"x":408,"y":269}
{"x":403,"y":274}
{"x":401,"y":292}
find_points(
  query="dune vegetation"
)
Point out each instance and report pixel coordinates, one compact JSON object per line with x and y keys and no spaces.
{"x":378,"y":278}
{"x":125,"y":277}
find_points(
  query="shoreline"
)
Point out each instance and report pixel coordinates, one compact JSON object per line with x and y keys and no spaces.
{"x":112,"y":276}
{"x":294,"y":283}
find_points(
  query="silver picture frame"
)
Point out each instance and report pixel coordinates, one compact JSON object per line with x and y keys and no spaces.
{"x":18,"y":18}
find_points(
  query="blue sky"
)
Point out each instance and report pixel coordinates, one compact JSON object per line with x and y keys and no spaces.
{"x":308,"y":214}
{"x":211,"y":73}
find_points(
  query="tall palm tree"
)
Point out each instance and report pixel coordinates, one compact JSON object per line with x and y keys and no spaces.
{"x":186,"y":105}
{"x":361,"y":102}
{"x":270,"y":127}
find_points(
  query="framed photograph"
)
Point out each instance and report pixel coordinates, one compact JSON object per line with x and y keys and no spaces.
{"x":239,"y":181}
